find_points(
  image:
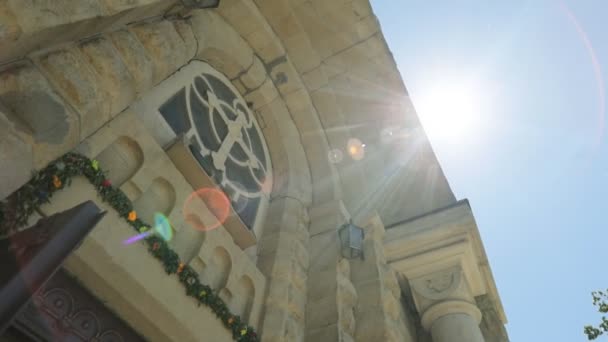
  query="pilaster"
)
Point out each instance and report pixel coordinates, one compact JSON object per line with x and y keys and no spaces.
{"x":441,"y":256}
{"x":331,"y":294}
{"x":379,"y":312}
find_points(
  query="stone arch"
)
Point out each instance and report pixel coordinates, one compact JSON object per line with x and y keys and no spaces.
{"x":225,"y":49}
{"x":158,"y":197}
{"x":222,"y":266}
{"x":121,"y":160}
{"x":244,"y":300}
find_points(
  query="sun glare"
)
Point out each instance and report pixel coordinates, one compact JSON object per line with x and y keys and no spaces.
{"x":449,"y":112}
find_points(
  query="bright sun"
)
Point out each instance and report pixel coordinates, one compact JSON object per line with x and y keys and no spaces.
{"x":449,"y":112}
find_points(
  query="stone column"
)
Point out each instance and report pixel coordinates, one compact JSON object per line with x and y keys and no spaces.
{"x":378,"y":313}
{"x":447,"y":307}
{"x":331,"y":294}
{"x":441,"y":256}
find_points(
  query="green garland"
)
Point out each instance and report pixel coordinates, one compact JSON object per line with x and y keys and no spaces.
{"x":17,"y":208}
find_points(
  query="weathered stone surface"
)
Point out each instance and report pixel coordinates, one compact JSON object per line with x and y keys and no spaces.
{"x":263,"y":95}
{"x":302,"y":53}
{"x":116,"y":6}
{"x":38,"y":15}
{"x":17,"y":155}
{"x":80,"y":86}
{"x":37,"y":114}
{"x":189,"y":41}
{"x":220,"y":45}
{"x":9,"y":27}
{"x":255,"y":75}
{"x":136,"y":59}
{"x":115,"y":78}
{"x":285,"y":77}
{"x":164,"y":46}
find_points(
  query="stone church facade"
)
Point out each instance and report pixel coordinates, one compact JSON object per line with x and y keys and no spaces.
{"x":263,"y":100}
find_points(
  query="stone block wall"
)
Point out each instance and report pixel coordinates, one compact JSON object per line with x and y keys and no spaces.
{"x":379,"y":311}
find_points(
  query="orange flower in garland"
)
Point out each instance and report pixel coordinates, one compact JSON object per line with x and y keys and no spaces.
{"x":180,"y":268}
{"x":230,"y":320}
{"x":132,"y":216}
{"x":56,"y":182}
{"x":155,"y":246}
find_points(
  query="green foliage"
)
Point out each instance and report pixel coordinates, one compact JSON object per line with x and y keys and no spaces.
{"x":599,"y":300}
{"x":17,"y":208}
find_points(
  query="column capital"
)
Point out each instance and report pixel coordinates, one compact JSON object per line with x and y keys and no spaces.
{"x":442,"y":257}
{"x":449,"y":307}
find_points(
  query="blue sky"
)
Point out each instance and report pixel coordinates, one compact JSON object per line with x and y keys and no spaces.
{"x":534,"y":165}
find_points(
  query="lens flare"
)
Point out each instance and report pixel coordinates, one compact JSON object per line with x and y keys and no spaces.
{"x":162,"y":227}
{"x":355,"y":148}
{"x":335,"y":156}
{"x":206,"y":209}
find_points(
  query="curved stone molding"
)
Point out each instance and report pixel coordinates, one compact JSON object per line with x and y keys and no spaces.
{"x":438,"y":285}
{"x":245,"y":297}
{"x":222,"y":265}
{"x":449,"y":307}
{"x":121,"y":159}
{"x":159,"y":197}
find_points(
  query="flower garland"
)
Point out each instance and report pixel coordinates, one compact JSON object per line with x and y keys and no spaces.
{"x":18,"y":207}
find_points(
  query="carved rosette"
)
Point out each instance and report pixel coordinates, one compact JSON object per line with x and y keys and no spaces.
{"x":439,"y":285}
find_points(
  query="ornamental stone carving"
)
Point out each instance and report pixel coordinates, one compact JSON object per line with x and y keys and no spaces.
{"x":438,"y":285}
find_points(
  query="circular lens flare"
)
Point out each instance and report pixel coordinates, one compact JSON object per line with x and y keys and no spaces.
{"x":206,"y":209}
{"x":355,"y":148}
{"x":335,"y":156}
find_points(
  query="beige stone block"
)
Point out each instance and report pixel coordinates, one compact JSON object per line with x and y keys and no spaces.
{"x":9,"y":26}
{"x":370,"y":295}
{"x":239,"y":87}
{"x":315,"y":79}
{"x":36,"y":115}
{"x":188,"y":39}
{"x":347,"y":321}
{"x":328,"y":333}
{"x":297,"y":305}
{"x":324,"y":251}
{"x":255,"y":75}
{"x":285,"y":78}
{"x":262,"y":96}
{"x":136,"y":59}
{"x":117,"y":6}
{"x":115,"y":78}
{"x":275,"y":321}
{"x":242,"y":15}
{"x":17,"y":155}
{"x":371,"y":326}
{"x":321,"y":283}
{"x":265,"y":44}
{"x":80,"y":86}
{"x":301,"y":52}
{"x":273,"y":9}
{"x":278,"y":293}
{"x":322,"y":7}
{"x":219,"y":44}
{"x":322,"y":312}
{"x":39,"y":15}
{"x":164,"y":46}
{"x":287,"y":26}
{"x":367,"y":27}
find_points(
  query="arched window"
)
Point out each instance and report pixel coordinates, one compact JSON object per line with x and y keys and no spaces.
{"x":121,"y":160}
{"x":202,"y":107}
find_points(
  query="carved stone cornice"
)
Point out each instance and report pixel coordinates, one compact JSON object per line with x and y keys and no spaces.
{"x":442,"y":257}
